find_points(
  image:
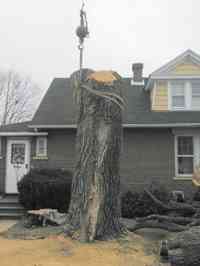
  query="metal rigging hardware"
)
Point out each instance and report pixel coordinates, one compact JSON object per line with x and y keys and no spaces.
{"x":82,"y":32}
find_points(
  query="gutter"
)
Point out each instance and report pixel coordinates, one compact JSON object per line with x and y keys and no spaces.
{"x":10,"y":134}
{"x":166,"y":125}
{"x":52,"y":126}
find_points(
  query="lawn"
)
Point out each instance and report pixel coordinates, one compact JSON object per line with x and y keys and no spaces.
{"x":132,"y":250}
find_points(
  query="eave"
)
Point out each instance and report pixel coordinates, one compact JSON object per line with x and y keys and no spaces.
{"x":166,"y":125}
{"x":52,"y":126}
{"x":171,"y":77}
{"x":133,"y":125}
{"x":22,"y":134}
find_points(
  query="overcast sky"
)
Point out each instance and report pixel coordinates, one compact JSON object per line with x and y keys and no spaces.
{"x":37,"y":36}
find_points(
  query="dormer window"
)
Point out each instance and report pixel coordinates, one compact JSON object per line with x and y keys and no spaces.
{"x":176,"y":85}
{"x":184,"y":95}
{"x":178,"y":95}
{"x":195,"y":85}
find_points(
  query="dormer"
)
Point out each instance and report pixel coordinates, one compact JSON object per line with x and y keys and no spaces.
{"x":176,"y":85}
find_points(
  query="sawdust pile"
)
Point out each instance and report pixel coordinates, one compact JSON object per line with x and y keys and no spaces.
{"x":60,"y":251}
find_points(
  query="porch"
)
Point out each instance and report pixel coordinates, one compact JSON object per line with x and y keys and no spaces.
{"x":10,"y":207}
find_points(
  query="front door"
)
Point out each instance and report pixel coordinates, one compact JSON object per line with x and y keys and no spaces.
{"x":18,"y":163}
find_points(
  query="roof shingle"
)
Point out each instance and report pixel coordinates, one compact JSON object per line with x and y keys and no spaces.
{"x":58,"y":107}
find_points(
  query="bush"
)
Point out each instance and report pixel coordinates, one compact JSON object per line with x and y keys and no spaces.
{"x":196,"y":196}
{"x":136,"y":204}
{"x":45,"y":188}
{"x":129,"y":204}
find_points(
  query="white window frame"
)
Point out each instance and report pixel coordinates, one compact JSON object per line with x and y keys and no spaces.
{"x":0,"y":147}
{"x":188,"y":97}
{"x":198,"y":95}
{"x":178,"y":155}
{"x":170,"y":94}
{"x":38,"y":154}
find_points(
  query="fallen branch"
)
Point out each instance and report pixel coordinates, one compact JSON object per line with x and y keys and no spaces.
{"x":170,"y":219}
{"x":183,"y":208}
{"x":133,"y":225}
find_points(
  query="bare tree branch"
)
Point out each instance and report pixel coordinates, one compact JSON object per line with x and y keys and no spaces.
{"x":18,"y":97}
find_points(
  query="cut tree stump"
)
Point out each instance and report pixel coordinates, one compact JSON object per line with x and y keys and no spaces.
{"x":52,"y":215}
{"x":95,"y":203}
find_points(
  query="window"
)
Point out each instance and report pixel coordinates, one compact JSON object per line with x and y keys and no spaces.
{"x":0,"y":146}
{"x":184,"y":155}
{"x":195,"y":85}
{"x":17,"y":153}
{"x":184,"y":95}
{"x":178,"y":94}
{"x":41,"y":146}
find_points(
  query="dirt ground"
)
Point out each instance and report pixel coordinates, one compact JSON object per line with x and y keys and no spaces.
{"x":132,"y":250}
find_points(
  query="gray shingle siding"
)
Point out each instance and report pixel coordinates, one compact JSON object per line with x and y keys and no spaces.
{"x":61,"y":150}
{"x":147,"y":156}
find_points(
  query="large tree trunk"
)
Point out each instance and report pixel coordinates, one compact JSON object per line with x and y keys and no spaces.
{"x":95,"y":202}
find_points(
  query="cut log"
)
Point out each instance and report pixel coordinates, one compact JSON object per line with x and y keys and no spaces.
{"x":170,"y":219}
{"x":185,"y":239}
{"x":171,"y":227}
{"x":133,"y":225}
{"x":187,"y":256}
{"x":184,"y":248}
{"x":51,"y":215}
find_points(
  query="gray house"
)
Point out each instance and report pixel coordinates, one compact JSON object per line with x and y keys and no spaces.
{"x":161,"y":129}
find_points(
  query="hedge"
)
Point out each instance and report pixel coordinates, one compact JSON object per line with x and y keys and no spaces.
{"x":135,"y":204}
{"x":45,"y":188}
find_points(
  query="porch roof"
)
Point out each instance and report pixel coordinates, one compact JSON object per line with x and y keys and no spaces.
{"x":19,"y":129}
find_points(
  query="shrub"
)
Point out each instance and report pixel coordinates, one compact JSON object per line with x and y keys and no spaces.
{"x":196,"y":196}
{"x":129,"y":204}
{"x":136,"y":204}
{"x":45,"y":188}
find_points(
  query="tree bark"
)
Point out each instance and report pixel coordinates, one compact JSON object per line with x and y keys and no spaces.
{"x":164,"y":218}
{"x":184,"y":248}
{"x":95,"y":203}
{"x":165,"y":225}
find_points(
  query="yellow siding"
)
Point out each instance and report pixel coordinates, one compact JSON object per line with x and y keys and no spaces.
{"x":187,"y":69}
{"x":159,"y":96}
